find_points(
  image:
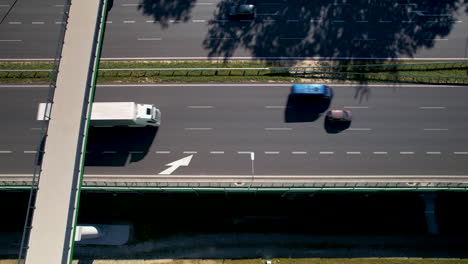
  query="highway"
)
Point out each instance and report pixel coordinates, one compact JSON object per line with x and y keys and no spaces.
{"x":397,"y":130}
{"x":418,"y":29}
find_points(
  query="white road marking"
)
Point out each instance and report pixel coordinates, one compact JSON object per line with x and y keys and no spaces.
{"x":59,"y":5}
{"x":316,"y":20}
{"x":216,"y":152}
{"x":271,"y":152}
{"x":299,"y":152}
{"x":246,"y":20}
{"x":130,"y":4}
{"x":406,"y":4}
{"x":275,"y":106}
{"x":129,"y":21}
{"x":59,"y":22}
{"x":291,"y":38}
{"x":108,"y":22}
{"x":368,"y":39}
{"x":327,"y":152}
{"x":460,"y":153}
{"x":435,"y":129}
{"x":30,"y":151}
{"x":15,"y":23}
{"x":150,"y":21}
{"x":353,"y":152}
{"x":406,"y":153}
{"x":278,"y":128}
{"x":261,"y":58}
{"x":4,"y":5}
{"x":292,"y":20}
{"x":198,"y":21}
{"x":362,"y":21}
{"x":356,"y":107}
{"x":222,"y":20}
{"x":145,"y":39}
{"x":433,"y":152}
{"x":109,"y":152}
{"x":360,"y":129}
{"x":221,"y":38}
{"x":35,"y":128}
{"x":136,"y":152}
{"x":174,"y":21}
{"x":190,"y":152}
{"x":457,"y":21}
{"x":5,"y":151}
{"x":38,"y":23}
{"x":267,"y":14}
{"x":385,"y":21}
{"x":198,"y":128}
{"x":407,"y":21}
{"x":10,"y":40}
{"x":432,"y":107}
{"x":437,"y":39}
{"x":162,"y":152}
{"x":244,"y":152}
{"x":204,"y":4}
{"x":269,"y":20}
{"x":199,"y":106}
{"x":380,"y":152}
{"x":338,"y":21}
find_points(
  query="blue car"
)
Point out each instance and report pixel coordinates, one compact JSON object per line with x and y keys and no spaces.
{"x":316,"y":90}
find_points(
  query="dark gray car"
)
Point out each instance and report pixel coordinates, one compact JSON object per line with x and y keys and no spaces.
{"x":242,"y":11}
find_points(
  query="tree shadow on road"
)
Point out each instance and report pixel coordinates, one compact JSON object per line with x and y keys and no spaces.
{"x":165,"y":11}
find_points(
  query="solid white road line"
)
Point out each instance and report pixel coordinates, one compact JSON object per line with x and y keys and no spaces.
{"x":143,"y":39}
{"x":200,"y":106}
{"x":29,"y":151}
{"x":269,"y":58}
{"x":406,"y":153}
{"x":356,"y":107}
{"x":460,"y":153}
{"x":271,"y":152}
{"x":353,"y":152}
{"x":380,"y":152}
{"x":216,"y":152}
{"x":162,"y":152}
{"x":327,"y":152}
{"x":190,"y":152}
{"x":435,"y":129}
{"x":5,"y":151}
{"x":299,"y":152}
{"x":432,"y":107}
{"x":278,"y":128}
{"x":433,"y":152}
{"x":198,"y":128}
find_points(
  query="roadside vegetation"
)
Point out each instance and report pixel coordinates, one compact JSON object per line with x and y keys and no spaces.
{"x":172,"y":71}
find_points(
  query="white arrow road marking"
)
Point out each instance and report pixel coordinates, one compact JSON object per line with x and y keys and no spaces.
{"x":176,"y":164}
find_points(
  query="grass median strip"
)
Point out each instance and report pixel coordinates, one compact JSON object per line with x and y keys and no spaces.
{"x":173,"y":71}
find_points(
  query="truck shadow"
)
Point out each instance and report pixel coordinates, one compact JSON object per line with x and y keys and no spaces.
{"x":117,"y":146}
{"x":304,"y":108}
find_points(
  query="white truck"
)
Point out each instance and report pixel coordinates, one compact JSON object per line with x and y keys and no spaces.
{"x":111,"y":114}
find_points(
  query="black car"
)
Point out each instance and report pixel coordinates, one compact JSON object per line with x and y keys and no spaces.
{"x":242,"y":11}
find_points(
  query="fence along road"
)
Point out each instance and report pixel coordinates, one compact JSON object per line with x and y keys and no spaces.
{"x":53,"y":222}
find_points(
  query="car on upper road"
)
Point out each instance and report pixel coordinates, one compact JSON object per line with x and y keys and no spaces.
{"x":344,"y":116}
{"x":312,"y":90}
{"x":244,"y":10}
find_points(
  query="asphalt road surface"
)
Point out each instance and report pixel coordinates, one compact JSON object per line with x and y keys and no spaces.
{"x":396,"y":130}
{"x":293,"y":29}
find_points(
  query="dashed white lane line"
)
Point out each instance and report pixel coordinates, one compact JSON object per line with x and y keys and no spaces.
{"x":299,"y":152}
{"x":15,"y":23}
{"x":292,"y":20}
{"x":385,"y":21}
{"x":204,"y":4}
{"x":222,"y":20}
{"x":151,"y":21}
{"x":59,"y":5}
{"x":198,"y":128}
{"x":360,"y":129}
{"x":35,"y":128}
{"x":198,"y":21}
{"x":380,"y":152}
{"x":38,"y":23}
{"x":353,"y":152}
{"x":129,"y":21}
{"x":4,"y":5}
{"x":221,"y":38}
{"x":59,"y":22}
{"x":362,"y":21}
{"x":174,"y":21}
{"x":30,"y":152}
{"x":149,"y":39}
{"x":246,"y":20}
{"x":200,"y":106}
{"x":136,"y":152}
{"x":291,"y":38}
{"x":407,"y":21}
{"x":316,"y":20}
{"x":432,"y":107}
{"x":10,"y":40}
{"x":190,"y":152}
{"x":5,"y":151}
{"x":271,"y":152}
{"x":162,"y":152}
{"x":108,"y":22}
{"x":437,"y":39}
{"x":460,"y":153}
{"x":338,"y":21}
{"x":275,"y":107}
{"x":433,"y":152}
{"x":406,"y":153}
{"x":244,"y":152}
{"x":326,"y":152}
{"x":356,"y":107}
{"x":364,"y":39}
{"x":109,"y":152}
{"x":278,"y":128}
{"x":216,"y":152}
{"x":435,"y":129}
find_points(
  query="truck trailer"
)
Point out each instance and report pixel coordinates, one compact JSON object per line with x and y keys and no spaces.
{"x":110,"y":114}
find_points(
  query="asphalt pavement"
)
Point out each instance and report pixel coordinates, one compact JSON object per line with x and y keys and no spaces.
{"x":282,"y":29}
{"x":396,"y":130}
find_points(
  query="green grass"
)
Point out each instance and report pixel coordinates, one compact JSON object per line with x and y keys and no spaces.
{"x":406,"y":71}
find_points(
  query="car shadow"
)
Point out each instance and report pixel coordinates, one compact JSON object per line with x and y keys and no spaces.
{"x":335,"y":127}
{"x":300,"y":108}
{"x":117,"y":146}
